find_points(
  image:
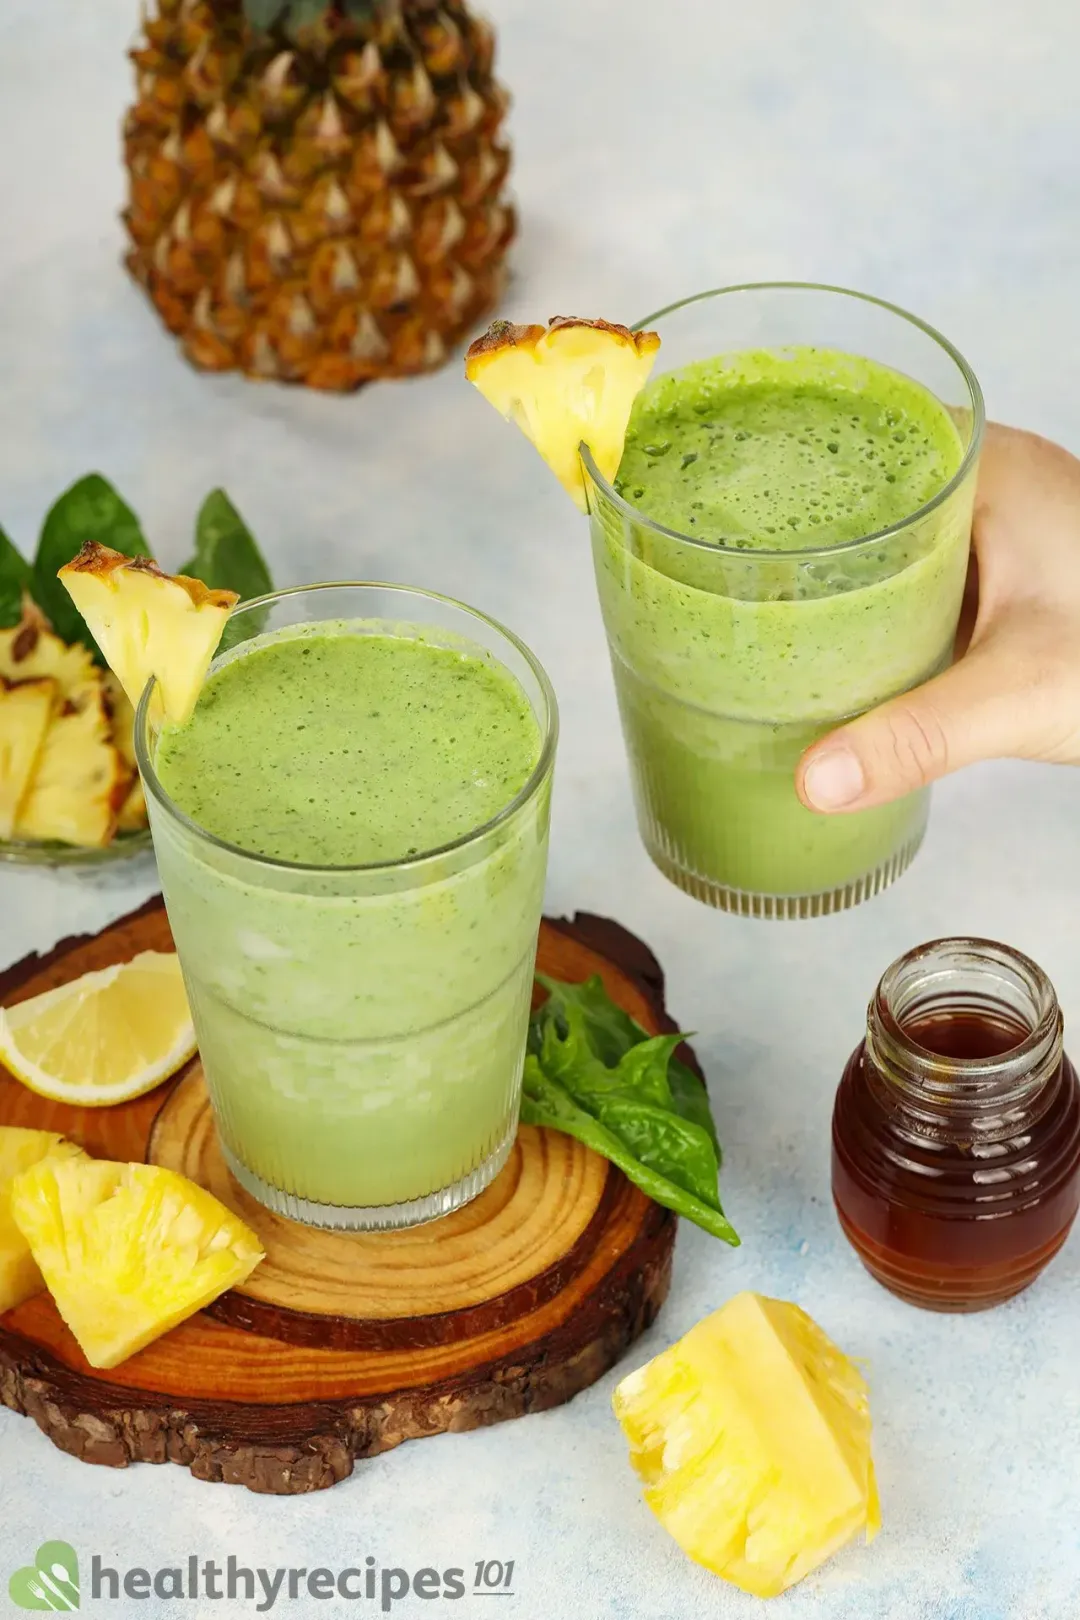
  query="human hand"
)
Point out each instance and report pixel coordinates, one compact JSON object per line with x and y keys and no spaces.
{"x":1013,"y":690}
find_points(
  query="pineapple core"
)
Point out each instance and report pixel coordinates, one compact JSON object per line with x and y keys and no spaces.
{"x":752,"y":1435}
{"x":149,"y":624}
{"x":19,"y":1150}
{"x":570,"y":384}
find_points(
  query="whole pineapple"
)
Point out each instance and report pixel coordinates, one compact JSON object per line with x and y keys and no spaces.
{"x":317,"y":185}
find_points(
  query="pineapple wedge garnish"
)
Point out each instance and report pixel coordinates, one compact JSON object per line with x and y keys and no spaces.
{"x":149,"y":624}
{"x":19,"y":1150}
{"x":25,"y":711}
{"x":79,"y":779}
{"x":571,"y":383}
{"x":128,"y":1251}
{"x":752,"y":1435}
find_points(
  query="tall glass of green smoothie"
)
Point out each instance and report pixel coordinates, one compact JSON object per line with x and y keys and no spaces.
{"x":784,"y":546}
{"x":351,"y":833}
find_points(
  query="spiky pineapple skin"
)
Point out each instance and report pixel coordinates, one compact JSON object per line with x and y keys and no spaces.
{"x":323,"y":209}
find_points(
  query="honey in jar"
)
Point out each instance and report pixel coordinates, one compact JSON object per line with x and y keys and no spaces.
{"x":956,"y":1129}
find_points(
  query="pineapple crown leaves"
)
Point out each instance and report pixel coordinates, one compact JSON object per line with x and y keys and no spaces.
{"x":295,"y":14}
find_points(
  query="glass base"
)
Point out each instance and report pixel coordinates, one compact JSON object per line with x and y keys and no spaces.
{"x":377,"y":1217}
{"x":787,"y":907}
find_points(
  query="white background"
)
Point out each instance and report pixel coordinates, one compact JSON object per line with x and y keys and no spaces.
{"x":927,"y":152}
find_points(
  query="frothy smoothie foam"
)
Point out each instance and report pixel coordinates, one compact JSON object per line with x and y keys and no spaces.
{"x":771,"y":612}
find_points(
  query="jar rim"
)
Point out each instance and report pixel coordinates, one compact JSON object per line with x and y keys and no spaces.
{"x":983,"y":1091}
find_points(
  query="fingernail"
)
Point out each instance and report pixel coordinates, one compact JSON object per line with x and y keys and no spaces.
{"x":834,"y":779}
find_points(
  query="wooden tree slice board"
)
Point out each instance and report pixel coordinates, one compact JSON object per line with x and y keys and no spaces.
{"x":341,"y":1345}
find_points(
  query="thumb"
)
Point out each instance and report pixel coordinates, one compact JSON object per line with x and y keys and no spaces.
{"x":966,"y":714}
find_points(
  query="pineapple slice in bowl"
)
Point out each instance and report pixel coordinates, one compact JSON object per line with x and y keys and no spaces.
{"x":79,"y":780}
{"x":128,"y":1251}
{"x":26,"y":707}
{"x":149,"y":624}
{"x":571,"y":383}
{"x":30,"y":651}
{"x":80,"y":785}
{"x":21,"y":1149}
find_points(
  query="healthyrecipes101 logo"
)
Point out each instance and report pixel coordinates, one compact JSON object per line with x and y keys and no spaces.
{"x":52,"y":1582}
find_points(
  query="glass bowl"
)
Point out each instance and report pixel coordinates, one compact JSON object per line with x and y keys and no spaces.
{"x":47,"y":852}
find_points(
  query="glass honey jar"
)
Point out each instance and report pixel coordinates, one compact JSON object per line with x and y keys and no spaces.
{"x":956,"y":1129}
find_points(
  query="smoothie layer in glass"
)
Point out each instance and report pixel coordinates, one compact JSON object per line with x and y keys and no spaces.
{"x":728,"y":666}
{"x":363,"y":1038}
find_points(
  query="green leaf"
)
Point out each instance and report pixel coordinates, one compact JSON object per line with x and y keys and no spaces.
{"x":612,"y":1033}
{"x":690,"y":1099}
{"x":304,"y":14}
{"x":664,"y":1141}
{"x":545,"y":1102}
{"x":15,"y":576}
{"x":264,"y":14}
{"x":227,"y":558}
{"x":642,"y":1075}
{"x":610,"y":1030}
{"x":593,"y":1072}
{"x":89,"y":510}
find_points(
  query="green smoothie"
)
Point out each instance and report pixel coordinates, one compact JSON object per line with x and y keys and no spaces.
{"x":361,"y":993}
{"x":763,"y":603}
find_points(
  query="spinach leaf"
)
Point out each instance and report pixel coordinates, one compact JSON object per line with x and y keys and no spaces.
{"x":227,"y":558}
{"x":591,"y":1071}
{"x":89,"y":510}
{"x":15,"y":576}
{"x":612,"y":1033}
{"x":691,"y":1100}
{"x":545,"y":1102}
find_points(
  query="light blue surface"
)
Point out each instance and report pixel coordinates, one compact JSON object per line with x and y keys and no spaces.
{"x":927,"y":152}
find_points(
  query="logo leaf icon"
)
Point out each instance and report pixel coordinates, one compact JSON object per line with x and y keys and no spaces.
{"x":51,"y":1582}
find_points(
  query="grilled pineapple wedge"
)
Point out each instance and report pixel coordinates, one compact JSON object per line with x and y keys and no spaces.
{"x":149,"y":624}
{"x":571,"y":383}
{"x":19,"y":1150}
{"x":79,"y":779}
{"x":752,"y":1435}
{"x":128,"y":1251}
{"x":26,"y":708}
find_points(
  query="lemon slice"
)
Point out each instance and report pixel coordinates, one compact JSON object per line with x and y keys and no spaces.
{"x":105,"y":1038}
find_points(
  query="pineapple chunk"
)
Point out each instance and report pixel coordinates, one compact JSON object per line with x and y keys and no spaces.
{"x":31,"y":652}
{"x":25,"y":711}
{"x":79,"y":780}
{"x":149,"y":624}
{"x":570,"y":384}
{"x":128,"y":1251}
{"x":19,"y":1150}
{"x":752,"y":1435}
